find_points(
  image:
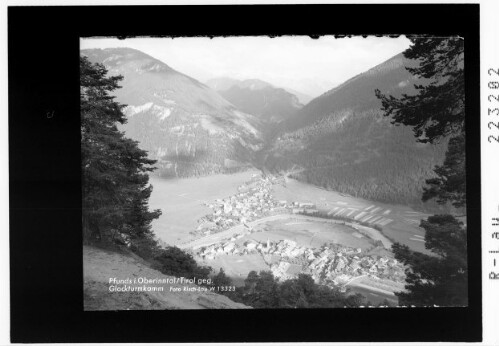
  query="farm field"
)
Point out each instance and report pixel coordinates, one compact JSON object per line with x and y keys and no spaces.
{"x":181,"y":201}
{"x":399,"y":223}
{"x":293,"y":220}
{"x":311,"y":234}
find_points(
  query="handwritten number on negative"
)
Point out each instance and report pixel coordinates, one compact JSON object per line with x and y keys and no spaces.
{"x":493,"y":85}
{"x":491,"y":111}
{"x":494,"y":97}
{"x":494,"y":138}
{"x":493,"y":124}
{"x":493,"y":71}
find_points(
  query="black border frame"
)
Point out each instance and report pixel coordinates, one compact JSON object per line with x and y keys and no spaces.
{"x":45,"y":188}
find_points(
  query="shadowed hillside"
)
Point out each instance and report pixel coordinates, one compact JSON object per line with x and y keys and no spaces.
{"x":99,"y":266}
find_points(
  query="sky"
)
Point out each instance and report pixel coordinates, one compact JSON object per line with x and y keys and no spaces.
{"x":310,"y":66}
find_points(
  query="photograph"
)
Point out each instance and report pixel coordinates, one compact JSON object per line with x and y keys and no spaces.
{"x":250,"y":172}
{"x":273,"y":172}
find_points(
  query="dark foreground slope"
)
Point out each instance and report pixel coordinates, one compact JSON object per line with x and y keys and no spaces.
{"x":99,"y":266}
{"x":342,"y":141}
{"x":181,"y":122}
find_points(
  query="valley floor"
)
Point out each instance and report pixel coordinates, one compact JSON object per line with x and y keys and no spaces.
{"x":400,"y":223}
{"x":182,"y":202}
{"x":186,"y":203}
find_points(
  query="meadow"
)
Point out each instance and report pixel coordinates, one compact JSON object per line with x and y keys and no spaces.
{"x":182,"y":202}
{"x":312,"y":234}
{"x":399,"y":223}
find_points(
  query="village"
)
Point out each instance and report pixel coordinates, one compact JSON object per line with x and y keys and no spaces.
{"x":332,"y":264}
{"x":253,"y":201}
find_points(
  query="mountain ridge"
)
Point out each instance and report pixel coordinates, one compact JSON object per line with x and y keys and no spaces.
{"x":270,"y":104}
{"x":342,"y":141}
{"x":184,"y":124}
{"x":225,"y":83}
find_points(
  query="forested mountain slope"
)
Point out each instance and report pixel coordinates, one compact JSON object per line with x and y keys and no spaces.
{"x":342,"y":141}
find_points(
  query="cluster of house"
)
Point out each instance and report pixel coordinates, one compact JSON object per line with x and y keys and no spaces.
{"x":333,"y":265}
{"x":227,"y":248}
{"x":338,"y":266}
{"x":253,"y":200}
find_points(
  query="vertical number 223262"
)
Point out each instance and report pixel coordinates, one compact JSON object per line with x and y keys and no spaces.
{"x":493,"y":85}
